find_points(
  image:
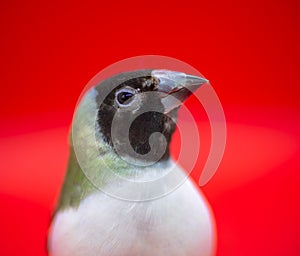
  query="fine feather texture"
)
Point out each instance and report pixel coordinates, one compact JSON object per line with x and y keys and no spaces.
{"x":178,"y":224}
{"x":111,"y":207}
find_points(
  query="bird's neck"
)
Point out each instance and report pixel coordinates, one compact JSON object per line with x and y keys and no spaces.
{"x":79,"y":184}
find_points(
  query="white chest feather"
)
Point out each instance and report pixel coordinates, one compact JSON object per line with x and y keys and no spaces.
{"x":178,"y":224}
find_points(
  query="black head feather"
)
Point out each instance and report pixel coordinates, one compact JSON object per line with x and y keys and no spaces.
{"x":143,"y":125}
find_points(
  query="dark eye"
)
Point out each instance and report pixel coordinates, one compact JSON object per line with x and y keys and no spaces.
{"x":125,"y":96}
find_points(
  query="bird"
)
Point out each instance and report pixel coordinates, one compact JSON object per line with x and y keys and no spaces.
{"x":123,"y":193}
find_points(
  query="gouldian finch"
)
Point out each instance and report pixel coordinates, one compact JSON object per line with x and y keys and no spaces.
{"x":123,"y":194}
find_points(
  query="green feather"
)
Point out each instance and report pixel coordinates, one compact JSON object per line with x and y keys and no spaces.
{"x":76,"y":185}
{"x":96,"y":157}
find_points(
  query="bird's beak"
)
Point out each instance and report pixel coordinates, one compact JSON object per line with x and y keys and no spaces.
{"x":176,"y":87}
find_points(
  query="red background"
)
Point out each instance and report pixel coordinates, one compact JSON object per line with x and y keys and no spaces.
{"x":249,"y":50}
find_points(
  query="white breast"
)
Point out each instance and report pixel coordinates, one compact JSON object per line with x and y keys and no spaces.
{"x":175,"y":225}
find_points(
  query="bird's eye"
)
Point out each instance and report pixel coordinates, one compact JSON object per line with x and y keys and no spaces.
{"x":125,"y":96}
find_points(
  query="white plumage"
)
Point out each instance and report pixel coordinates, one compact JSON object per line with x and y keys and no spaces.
{"x":177,"y":224}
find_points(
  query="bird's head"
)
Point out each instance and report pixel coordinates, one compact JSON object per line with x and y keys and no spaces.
{"x":137,"y":111}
